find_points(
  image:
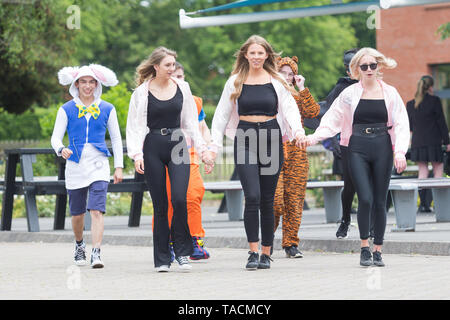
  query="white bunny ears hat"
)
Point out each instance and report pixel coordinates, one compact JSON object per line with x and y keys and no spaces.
{"x":103,"y":75}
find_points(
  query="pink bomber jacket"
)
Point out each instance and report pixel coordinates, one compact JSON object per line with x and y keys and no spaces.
{"x":339,"y":118}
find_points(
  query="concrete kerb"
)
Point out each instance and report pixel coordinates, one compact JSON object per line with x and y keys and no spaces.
{"x":312,"y":245}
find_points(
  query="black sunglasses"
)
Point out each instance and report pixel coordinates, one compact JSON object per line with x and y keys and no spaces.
{"x":372,"y":66}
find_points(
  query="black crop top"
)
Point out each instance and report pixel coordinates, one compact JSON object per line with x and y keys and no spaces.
{"x":258,"y":99}
{"x":164,"y":113}
{"x":370,"y":111}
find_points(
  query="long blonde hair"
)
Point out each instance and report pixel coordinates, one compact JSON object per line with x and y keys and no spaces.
{"x":425,"y":83}
{"x":241,"y":66}
{"x":382,"y":60}
{"x":146,"y":69}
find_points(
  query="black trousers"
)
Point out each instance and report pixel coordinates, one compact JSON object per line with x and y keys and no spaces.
{"x":258,"y":156}
{"x":161,"y":152}
{"x":370,"y":160}
{"x":348,"y":193}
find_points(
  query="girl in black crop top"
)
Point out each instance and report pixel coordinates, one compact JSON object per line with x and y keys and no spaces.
{"x":258,"y":99}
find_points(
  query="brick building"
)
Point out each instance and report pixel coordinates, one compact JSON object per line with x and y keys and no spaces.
{"x":409,"y":35}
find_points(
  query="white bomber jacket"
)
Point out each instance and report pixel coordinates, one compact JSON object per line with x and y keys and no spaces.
{"x":226,"y":117}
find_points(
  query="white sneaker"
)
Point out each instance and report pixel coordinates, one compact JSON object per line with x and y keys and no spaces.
{"x":80,"y":254}
{"x":96,"y":262}
{"x":183,"y":263}
{"x":163,"y":268}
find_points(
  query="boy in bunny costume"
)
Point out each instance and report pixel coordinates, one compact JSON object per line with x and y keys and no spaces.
{"x":86,"y":118}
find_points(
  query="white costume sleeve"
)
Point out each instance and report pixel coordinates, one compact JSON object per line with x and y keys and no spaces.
{"x":116,"y":139}
{"x":59,"y":130}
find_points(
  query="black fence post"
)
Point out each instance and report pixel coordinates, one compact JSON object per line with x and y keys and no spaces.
{"x":8,"y":194}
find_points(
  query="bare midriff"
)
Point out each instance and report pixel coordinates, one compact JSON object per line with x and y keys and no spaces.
{"x":259,"y":118}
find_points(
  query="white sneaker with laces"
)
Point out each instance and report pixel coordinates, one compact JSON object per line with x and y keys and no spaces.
{"x":183,"y":263}
{"x":80,"y":254}
{"x":96,"y":262}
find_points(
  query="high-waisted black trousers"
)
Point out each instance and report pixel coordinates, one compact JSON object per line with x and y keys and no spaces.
{"x":258,"y":156}
{"x":370,"y":160}
{"x":157,"y":156}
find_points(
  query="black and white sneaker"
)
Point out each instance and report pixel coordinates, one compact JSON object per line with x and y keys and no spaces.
{"x":264,"y":261}
{"x":377,"y":260}
{"x":366,"y":257}
{"x":293,"y":252}
{"x":252,"y":262}
{"x":183,"y":263}
{"x":342,"y":231}
{"x":80,"y":254}
{"x":96,"y":262}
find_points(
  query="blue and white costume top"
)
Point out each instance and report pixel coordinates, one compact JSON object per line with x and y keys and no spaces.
{"x":89,"y":160}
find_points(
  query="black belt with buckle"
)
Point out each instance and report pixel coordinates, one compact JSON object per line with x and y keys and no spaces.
{"x":371,"y":129}
{"x":163,"y":131}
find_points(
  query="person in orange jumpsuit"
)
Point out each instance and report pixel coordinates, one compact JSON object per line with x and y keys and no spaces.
{"x":291,"y":187}
{"x":196,"y":190}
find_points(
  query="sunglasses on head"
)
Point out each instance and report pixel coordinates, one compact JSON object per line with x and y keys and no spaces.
{"x":372,"y":66}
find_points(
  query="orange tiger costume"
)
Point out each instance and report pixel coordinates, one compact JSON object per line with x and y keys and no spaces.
{"x":291,"y":187}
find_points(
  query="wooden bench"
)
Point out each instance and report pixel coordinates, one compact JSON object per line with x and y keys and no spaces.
{"x":30,"y":187}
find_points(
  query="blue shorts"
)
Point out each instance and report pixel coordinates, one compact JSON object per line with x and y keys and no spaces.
{"x":97,"y":198}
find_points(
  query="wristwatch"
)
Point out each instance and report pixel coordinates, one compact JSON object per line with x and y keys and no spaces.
{"x":60,"y":150}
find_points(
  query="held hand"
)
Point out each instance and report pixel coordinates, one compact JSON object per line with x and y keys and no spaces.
{"x":400,"y":163}
{"x":66,"y":153}
{"x":209,"y":157}
{"x":300,"y":140}
{"x":448,"y":148}
{"x":139,"y":166}
{"x":208,"y":168}
{"x":300,"y":81}
{"x":118,"y":175}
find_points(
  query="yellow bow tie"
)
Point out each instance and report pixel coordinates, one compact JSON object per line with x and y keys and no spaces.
{"x":93,"y":109}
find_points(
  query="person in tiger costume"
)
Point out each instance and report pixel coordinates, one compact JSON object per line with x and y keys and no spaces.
{"x":291,"y":187}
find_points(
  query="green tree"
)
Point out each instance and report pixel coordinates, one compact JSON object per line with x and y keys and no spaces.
{"x":34,"y":43}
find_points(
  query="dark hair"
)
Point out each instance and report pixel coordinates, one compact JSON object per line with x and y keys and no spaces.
{"x":425,"y":83}
{"x":348,"y":55}
{"x":178,"y":66}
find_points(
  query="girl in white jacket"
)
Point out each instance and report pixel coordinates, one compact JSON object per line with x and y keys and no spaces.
{"x":258,"y":110}
{"x":161,"y":117}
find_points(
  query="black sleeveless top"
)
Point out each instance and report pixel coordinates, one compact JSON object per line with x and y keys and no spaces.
{"x":370,"y":111}
{"x":164,"y":113}
{"x":258,"y":99}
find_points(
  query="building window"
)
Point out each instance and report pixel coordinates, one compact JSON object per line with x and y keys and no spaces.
{"x":441,"y":75}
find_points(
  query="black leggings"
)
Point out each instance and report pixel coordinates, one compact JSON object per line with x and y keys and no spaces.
{"x":370,"y":160}
{"x":348,"y":193}
{"x":157,"y":156}
{"x":258,"y":156}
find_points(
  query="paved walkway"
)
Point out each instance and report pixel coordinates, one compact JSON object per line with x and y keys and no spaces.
{"x":39,"y":265}
{"x":430,"y":237}
{"x":45,"y":271}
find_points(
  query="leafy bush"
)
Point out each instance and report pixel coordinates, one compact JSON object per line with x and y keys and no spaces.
{"x":19,"y":127}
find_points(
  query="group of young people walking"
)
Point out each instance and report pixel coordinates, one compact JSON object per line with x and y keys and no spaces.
{"x":261,"y":109}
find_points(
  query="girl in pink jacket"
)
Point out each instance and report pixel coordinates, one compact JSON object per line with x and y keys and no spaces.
{"x":373,"y":122}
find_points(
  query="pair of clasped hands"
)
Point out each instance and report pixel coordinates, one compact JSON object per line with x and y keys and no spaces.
{"x":209,"y":157}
